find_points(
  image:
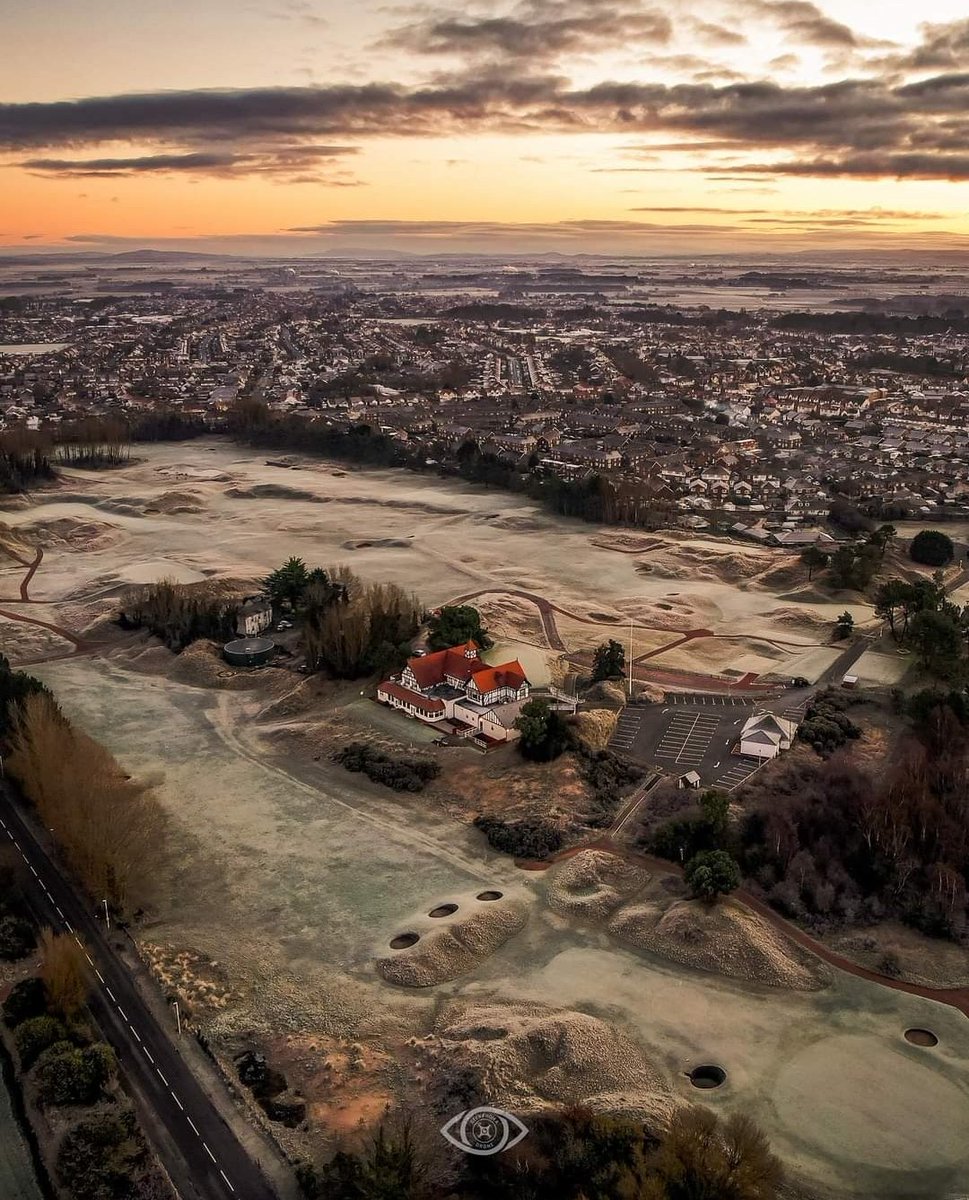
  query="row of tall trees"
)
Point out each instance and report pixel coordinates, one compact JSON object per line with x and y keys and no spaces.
{"x":352,"y":628}
{"x":94,"y":442}
{"x":179,"y":613}
{"x":831,"y":843}
{"x":107,"y":825}
{"x":25,"y":460}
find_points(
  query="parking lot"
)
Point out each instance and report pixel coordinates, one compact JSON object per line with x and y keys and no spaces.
{"x":703,"y":700}
{"x":686,"y":739}
{"x":688,"y":733}
{"x":740,"y":771}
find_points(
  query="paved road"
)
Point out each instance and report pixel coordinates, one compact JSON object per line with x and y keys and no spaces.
{"x":200,"y":1152}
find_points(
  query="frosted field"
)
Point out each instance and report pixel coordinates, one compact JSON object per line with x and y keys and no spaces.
{"x":293,"y":875}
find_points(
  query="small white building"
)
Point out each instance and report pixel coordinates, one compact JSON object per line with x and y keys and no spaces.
{"x":765,"y":736}
{"x":255,"y":615}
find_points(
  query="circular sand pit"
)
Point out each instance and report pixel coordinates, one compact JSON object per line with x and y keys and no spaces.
{"x":489,"y":895}
{"x":921,"y":1037}
{"x":403,"y":941}
{"x":443,"y":910}
{"x":707,"y":1076}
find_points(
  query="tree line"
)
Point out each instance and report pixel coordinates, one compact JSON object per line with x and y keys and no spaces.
{"x":179,"y":613}
{"x":25,"y":460}
{"x":569,"y":1154}
{"x":107,"y":825}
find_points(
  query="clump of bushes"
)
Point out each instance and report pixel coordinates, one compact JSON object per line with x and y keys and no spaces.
{"x":68,"y":1074}
{"x":610,"y":779}
{"x":16,"y":937}
{"x":27,"y":999}
{"x":37,"y":1034}
{"x":530,"y":837}
{"x":826,"y":725}
{"x":401,"y":774}
{"x":103,"y":1156}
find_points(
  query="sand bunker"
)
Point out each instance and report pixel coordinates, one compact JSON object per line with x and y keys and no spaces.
{"x":272,"y":491}
{"x":190,"y":471}
{"x":435,"y":949}
{"x":592,"y":885}
{"x":725,"y":938}
{"x":528,"y":1055}
{"x":378,"y":544}
{"x":176,"y":502}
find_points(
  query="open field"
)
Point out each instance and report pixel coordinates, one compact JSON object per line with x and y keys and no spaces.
{"x":200,"y":510}
{"x":286,"y":878}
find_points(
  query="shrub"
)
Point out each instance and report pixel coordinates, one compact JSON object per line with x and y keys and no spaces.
{"x":16,"y":938}
{"x":27,"y":999}
{"x":33,"y":1036}
{"x":101,"y":1157}
{"x":610,"y":779}
{"x":531,"y":837}
{"x":401,"y":774}
{"x":68,"y":1075}
{"x":544,"y":734}
{"x":712,"y":873}
{"x":932,"y":548}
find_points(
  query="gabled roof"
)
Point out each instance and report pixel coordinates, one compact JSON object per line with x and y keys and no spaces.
{"x":458,"y":662}
{"x":509,"y":674}
{"x":775,"y":728}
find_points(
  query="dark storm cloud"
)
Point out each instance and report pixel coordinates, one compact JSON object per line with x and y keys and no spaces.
{"x":855,"y":126}
{"x":535,"y":31}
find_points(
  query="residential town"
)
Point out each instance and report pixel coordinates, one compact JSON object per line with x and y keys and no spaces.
{"x":734,"y":420}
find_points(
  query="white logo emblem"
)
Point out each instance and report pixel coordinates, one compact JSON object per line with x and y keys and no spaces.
{"x":484,"y":1130}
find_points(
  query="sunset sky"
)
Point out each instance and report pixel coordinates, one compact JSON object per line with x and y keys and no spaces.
{"x":301,"y":126}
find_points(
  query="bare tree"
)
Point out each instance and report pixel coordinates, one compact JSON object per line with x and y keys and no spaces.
{"x":64,"y":973}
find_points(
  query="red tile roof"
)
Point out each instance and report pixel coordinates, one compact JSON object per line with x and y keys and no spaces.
{"x":423,"y":704}
{"x":431,"y":669}
{"x":509,"y":674}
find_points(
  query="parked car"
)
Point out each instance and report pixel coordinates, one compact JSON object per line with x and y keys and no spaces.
{"x":285,"y":625}
{"x":800,"y":682}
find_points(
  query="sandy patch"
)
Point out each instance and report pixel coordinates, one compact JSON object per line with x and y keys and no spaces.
{"x":452,"y":944}
{"x":725,"y":938}
{"x":592,"y":885}
{"x":529,"y":1055}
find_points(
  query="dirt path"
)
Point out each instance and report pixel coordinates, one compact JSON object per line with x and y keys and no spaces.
{"x":548,"y":608}
{"x":81,"y":645}
{"x":957,"y":998}
{"x":672,"y":678}
{"x":24,"y":597}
